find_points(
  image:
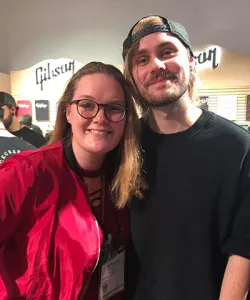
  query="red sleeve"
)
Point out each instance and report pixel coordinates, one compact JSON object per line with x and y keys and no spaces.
{"x":16,"y":182}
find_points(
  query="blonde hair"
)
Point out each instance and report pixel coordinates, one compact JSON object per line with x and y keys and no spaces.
{"x":125,"y":158}
{"x":128,"y":55}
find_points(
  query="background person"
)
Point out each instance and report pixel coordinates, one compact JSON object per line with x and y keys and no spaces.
{"x":10,"y":144}
{"x":12,"y":124}
{"x":26,"y":120}
{"x":48,"y":135}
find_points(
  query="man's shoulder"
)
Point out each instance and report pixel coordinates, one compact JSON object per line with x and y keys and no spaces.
{"x":49,"y":155}
{"x":211,"y":128}
{"x":20,"y":143}
{"x":227,"y":129}
{"x":33,"y":137}
{"x":12,"y":145}
{"x":37,"y":129}
{"x":26,"y":130}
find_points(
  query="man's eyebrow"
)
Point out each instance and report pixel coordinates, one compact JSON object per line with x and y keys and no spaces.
{"x":165,"y":44}
{"x":160,"y":46}
{"x":141,"y":52}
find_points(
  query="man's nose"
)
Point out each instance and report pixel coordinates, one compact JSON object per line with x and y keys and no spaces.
{"x":157,"y":64}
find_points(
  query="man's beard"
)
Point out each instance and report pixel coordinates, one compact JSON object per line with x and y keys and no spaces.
{"x":8,"y":121}
{"x":179,"y":83}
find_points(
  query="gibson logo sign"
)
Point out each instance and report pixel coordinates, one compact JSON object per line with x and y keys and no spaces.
{"x":211,"y":55}
{"x":41,"y":105}
{"x":47,"y":73}
{"x":23,"y":105}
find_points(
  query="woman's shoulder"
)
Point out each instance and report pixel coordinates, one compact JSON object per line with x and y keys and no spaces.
{"x":47,"y":152}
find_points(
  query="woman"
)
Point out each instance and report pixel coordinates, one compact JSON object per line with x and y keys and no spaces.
{"x":59,"y":230}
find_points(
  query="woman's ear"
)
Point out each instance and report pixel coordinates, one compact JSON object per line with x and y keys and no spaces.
{"x":68,"y":113}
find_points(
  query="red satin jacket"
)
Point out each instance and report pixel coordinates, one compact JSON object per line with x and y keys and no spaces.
{"x":49,"y":238}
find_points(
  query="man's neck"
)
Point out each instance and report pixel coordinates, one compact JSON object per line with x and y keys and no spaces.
{"x":15,"y":125}
{"x":175,"y":117}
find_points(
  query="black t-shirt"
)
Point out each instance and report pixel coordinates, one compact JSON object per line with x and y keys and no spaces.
{"x":31,"y":137}
{"x":195,"y":213}
{"x":12,"y":145}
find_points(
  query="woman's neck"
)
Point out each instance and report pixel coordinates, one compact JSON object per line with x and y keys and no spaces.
{"x":85,"y":159}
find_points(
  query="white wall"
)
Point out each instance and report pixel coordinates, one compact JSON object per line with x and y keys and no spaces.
{"x":84,"y":30}
{"x":5,"y":83}
{"x":4,"y":43}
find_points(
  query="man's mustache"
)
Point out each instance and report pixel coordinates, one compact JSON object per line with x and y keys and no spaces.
{"x":160,"y":76}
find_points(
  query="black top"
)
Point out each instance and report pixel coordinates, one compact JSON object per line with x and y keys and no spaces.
{"x":12,"y":145}
{"x":30,"y":136}
{"x":37,"y":129}
{"x":196,"y":212}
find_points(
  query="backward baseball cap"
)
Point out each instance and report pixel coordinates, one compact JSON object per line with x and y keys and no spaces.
{"x":176,"y":29}
{"x":6,"y":99}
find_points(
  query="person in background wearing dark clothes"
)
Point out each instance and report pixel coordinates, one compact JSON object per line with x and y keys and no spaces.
{"x":191,"y":232}
{"x":26,"y":120}
{"x":48,"y":135}
{"x":10,"y":144}
{"x":12,"y":124}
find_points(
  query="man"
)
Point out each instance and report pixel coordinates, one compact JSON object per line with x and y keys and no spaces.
{"x":12,"y":124}
{"x":191,"y":232}
{"x":10,"y":144}
{"x":26,"y":120}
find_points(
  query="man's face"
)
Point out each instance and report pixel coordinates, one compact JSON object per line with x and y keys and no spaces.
{"x":161,"y":69}
{"x":7,"y":116}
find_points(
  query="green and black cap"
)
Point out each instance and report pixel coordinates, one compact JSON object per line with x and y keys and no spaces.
{"x":176,"y":29}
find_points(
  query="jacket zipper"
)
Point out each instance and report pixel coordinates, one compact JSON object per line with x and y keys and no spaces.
{"x":86,"y":285}
{"x":99,"y":247}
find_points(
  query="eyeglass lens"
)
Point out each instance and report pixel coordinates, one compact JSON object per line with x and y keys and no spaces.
{"x":88,"y":109}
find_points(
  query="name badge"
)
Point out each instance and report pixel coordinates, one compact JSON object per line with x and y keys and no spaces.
{"x":112,"y":276}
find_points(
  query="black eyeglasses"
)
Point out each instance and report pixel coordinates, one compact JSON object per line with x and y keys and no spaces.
{"x":88,"y":109}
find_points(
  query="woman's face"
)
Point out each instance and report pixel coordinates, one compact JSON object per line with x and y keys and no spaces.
{"x":96,"y":136}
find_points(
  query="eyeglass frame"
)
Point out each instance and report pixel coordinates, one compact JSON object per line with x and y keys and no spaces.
{"x":99,"y":105}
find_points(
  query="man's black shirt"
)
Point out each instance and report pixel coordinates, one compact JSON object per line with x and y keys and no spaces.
{"x":196,"y":212}
{"x":31,"y":137}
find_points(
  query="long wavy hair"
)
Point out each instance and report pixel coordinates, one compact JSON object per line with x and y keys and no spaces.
{"x":143,"y":106}
{"x":125,"y":159}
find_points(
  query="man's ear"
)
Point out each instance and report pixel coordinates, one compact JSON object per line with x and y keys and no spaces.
{"x":13,"y":110}
{"x":68,"y":113}
{"x":192,"y":63}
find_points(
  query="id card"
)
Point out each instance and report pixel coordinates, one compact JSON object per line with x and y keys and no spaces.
{"x":112,"y":277}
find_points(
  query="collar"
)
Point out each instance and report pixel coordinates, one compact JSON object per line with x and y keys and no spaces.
{"x":70,"y":156}
{"x":4,"y":132}
{"x":72,"y":162}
